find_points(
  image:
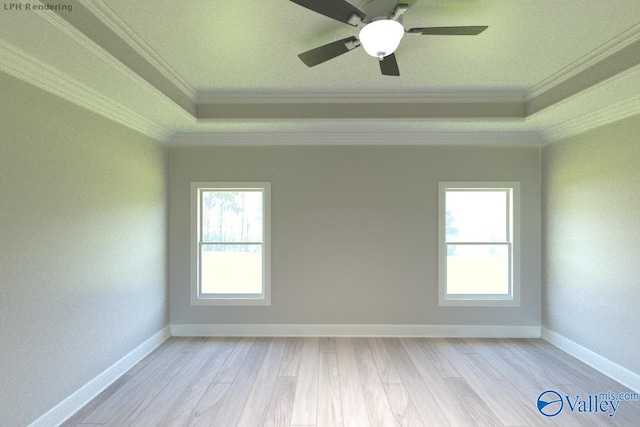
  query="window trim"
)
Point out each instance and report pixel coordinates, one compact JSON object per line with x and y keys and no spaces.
{"x":480,"y":300}
{"x":197,"y":298}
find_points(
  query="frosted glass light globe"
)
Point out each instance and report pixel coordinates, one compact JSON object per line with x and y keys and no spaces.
{"x":381,"y":38}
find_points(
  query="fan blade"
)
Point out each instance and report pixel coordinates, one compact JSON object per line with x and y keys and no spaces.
{"x":328,"y":51}
{"x":389,"y":65}
{"x":339,"y":10}
{"x":449,"y":31}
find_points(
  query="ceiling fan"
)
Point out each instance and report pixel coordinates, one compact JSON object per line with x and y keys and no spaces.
{"x":381,"y":31}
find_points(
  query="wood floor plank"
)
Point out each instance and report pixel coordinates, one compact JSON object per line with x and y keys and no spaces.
{"x":172,"y":344}
{"x":236,"y":397}
{"x":291,"y":359}
{"x":570,"y":382}
{"x":129,"y":410}
{"x":327,"y":344}
{"x":208,"y":406}
{"x":526,"y":388}
{"x":138,"y":382}
{"x":218,"y":350}
{"x":464,"y":345}
{"x":490,"y":385}
{"x":472,"y":409}
{"x":459,"y":410}
{"x":329,"y":401}
{"x":305,"y":403}
{"x":235,"y":361}
{"x":520,"y":398}
{"x":167,"y":398}
{"x":377,"y":404}
{"x":341,"y":381}
{"x":587,"y":379}
{"x":438,"y":362}
{"x":354,"y":410}
{"x":495,"y":351}
{"x":580,"y":373}
{"x":256,"y":407}
{"x":422,"y":398}
{"x":557,"y":357}
{"x":386,"y":367}
{"x":77,"y":418}
{"x":280,"y":407}
{"x":404,"y":411}
{"x":194,"y":344}
{"x":515,"y":348}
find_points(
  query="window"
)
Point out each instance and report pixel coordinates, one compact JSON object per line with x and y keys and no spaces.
{"x":230,"y":243}
{"x":478,"y":244}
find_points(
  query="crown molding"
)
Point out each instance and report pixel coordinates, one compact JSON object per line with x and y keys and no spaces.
{"x":604,"y":116}
{"x":116,"y":24}
{"x":217,"y":97}
{"x":354,"y":138}
{"x":274,"y":106}
{"x":79,"y":37}
{"x":619,"y":79}
{"x":599,"y":54}
{"x":23,"y":66}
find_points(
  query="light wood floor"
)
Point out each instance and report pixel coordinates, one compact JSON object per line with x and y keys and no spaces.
{"x":350,"y":382}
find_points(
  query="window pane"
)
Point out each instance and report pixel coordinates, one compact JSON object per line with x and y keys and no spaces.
{"x":231,"y":269}
{"x":476,"y":216}
{"x":478,"y":269}
{"x":232,"y":216}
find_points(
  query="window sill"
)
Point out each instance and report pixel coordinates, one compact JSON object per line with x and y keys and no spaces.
{"x":231,"y":301}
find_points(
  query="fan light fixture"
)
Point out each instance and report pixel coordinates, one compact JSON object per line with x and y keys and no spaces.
{"x":381,"y":38}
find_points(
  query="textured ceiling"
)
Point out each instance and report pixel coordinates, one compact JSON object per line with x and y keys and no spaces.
{"x":253,"y":45}
{"x":209,"y":72}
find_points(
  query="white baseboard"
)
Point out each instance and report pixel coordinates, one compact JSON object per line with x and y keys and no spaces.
{"x":69,"y":406}
{"x":611,"y":369}
{"x":301,"y":330}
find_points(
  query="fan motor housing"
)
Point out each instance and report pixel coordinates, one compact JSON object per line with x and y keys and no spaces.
{"x":376,"y":9}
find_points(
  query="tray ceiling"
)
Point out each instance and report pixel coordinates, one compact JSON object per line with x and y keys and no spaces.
{"x":543,"y":69}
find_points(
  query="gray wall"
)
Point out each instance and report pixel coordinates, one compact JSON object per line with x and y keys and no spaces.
{"x":591,"y":202}
{"x":354,"y":231}
{"x":82,"y":247}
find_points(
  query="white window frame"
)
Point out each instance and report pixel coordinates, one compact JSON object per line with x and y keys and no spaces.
{"x":197,"y":297}
{"x":480,"y":300}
